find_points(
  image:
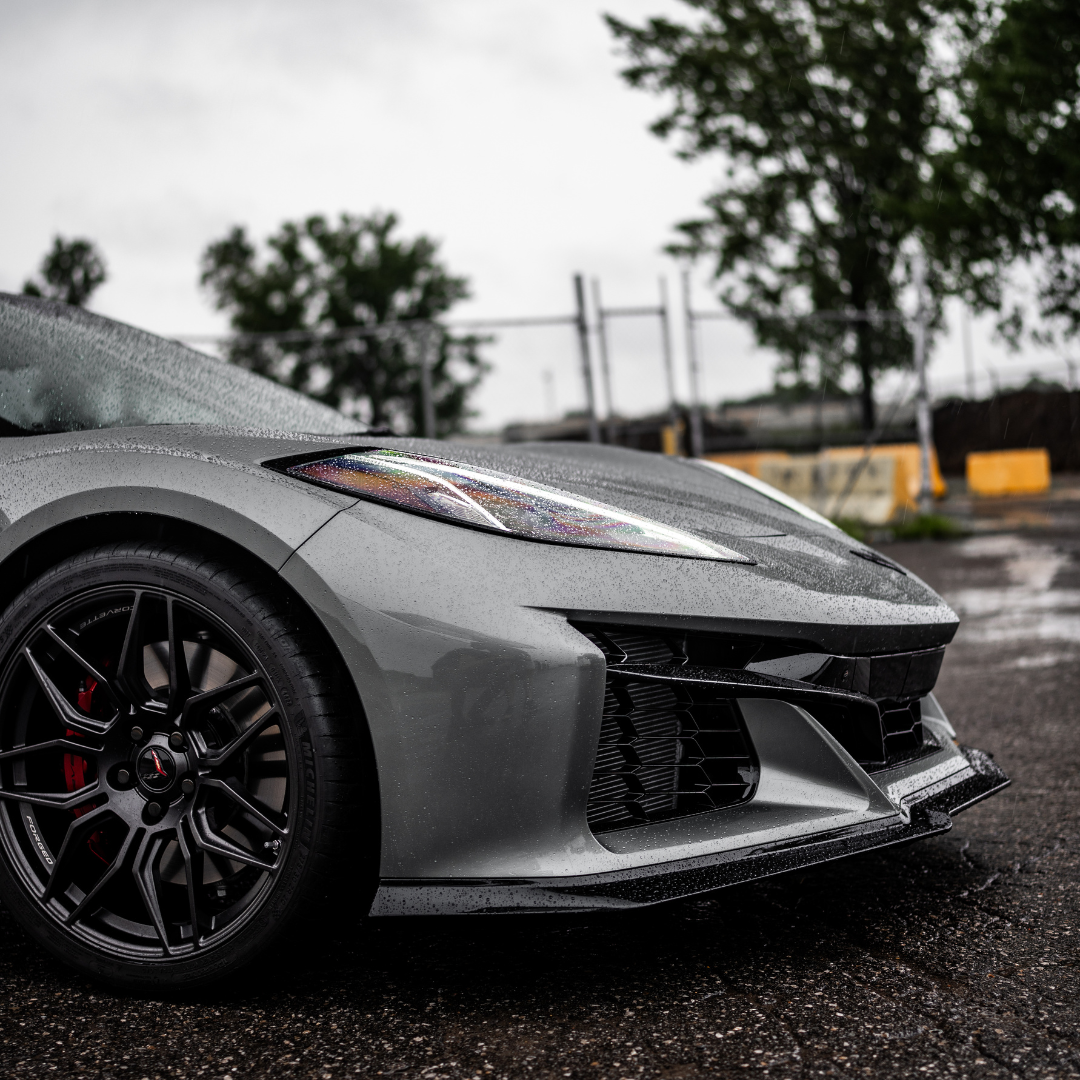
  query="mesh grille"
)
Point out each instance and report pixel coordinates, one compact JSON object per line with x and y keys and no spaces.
{"x":665,"y":751}
{"x":902,"y":724}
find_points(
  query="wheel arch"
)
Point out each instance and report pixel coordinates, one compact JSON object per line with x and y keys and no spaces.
{"x":42,"y":550}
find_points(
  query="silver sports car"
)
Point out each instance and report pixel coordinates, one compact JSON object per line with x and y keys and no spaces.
{"x":257,"y":662}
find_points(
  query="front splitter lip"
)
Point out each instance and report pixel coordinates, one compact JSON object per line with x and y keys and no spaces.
{"x":928,"y":815}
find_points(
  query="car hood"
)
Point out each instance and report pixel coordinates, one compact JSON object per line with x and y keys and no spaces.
{"x":788,"y":550}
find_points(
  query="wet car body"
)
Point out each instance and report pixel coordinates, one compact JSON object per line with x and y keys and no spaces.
{"x":554,"y":726}
{"x":484,"y":695}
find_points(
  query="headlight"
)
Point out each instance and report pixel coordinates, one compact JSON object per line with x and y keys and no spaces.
{"x":500,"y":503}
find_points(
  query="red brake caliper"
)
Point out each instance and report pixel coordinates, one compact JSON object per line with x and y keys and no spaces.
{"x":75,"y":771}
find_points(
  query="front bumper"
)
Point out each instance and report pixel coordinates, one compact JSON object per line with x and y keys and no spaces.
{"x":953,"y":783}
{"x":485,"y":707}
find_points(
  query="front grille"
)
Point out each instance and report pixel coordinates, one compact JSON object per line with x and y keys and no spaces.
{"x":666,"y":750}
{"x":672,"y":748}
{"x":901,"y":722}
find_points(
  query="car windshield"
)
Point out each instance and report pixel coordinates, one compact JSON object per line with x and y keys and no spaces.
{"x":64,"y":369}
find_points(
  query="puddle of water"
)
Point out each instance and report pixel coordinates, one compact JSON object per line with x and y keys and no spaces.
{"x":1043,"y":660}
{"x":1025,"y":609}
{"x":976,"y":603}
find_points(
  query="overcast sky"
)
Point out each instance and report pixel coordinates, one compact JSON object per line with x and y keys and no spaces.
{"x":499,"y":127}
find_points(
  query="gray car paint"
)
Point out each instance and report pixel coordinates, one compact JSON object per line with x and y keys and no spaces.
{"x":482,"y":701}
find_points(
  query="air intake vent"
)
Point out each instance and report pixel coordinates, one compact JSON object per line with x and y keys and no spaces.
{"x":661,"y":756}
{"x":902,"y":724}
{"x":666,"y":750}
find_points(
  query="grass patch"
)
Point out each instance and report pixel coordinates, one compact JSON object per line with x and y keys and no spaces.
{"x":853,"y":527}
{"x":921,"y":527}
{"x":929,"y":527}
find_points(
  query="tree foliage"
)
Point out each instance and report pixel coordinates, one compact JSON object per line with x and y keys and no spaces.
{"x":324,"y":280}
{"x":70,"y":272}
{"x":1011,"y":188}
{"x":825,"y":113}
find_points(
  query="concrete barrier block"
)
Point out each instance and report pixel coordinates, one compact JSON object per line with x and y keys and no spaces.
{"x":749,"y":461}
{"x":908,"y":457}
{"x":831,"y":487}
{"x":1008,"y":472}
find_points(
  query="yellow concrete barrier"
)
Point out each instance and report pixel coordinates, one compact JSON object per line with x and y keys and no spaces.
{"x":749,"y":461}
{"x":908,"y":457}
{"x":875,"y":496}
{"x":1008,"y":472}
{"x":888,"y":484}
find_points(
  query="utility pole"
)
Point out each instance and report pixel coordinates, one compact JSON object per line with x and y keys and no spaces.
{"x":549,"y":393}
{"x":669,"y":368}
{"x":697,"y":435}
{"x":922,"y":413}
{"x":429,"y":345}
{"x":586,"y":365}
{"x":605,"y":371}
{"x":969,"y":359}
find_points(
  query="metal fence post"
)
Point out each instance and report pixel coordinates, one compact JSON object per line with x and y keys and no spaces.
{"x":697,"y":434}
{"x":922,"y":409}
{"x":669,"y":369}
{"x":605,"y":370}
{"x":586,"y":366}
{"x":969,"y":359}
{"x":429,"y":344}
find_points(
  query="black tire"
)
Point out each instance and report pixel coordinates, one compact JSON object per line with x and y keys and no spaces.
{"x":162,"y":824}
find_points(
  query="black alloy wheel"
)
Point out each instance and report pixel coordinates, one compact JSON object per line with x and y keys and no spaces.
{"x":172,"y":765}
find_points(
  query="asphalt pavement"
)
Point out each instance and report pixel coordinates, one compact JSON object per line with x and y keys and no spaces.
{"x":953,"y":957}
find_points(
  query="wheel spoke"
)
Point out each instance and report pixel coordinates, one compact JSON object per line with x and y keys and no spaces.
{"x":75,"y":833}
{"x":209,"y":698}
{"x":72,"y":747}
{"x":145,"y":872}
{"x":85,"y":664}
{"x":193,"y":871}
{"x":213,"y":758}
{"x":219,"y":862}
{"x":129,"y":669}
{"x":68,"y":715}
{"x":111,"y":871}
{"x":55,"y":800}
{"x":211,"y":842}
{"x":179,"y":676}
{"x":247,"y":802}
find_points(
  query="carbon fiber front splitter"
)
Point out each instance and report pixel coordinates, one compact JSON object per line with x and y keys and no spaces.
{"x":926,"y":816}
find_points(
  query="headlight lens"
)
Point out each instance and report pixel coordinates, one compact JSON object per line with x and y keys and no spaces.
{"x":491,"y":500}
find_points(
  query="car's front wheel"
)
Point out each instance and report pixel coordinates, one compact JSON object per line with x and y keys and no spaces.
{"x":180,"y":765}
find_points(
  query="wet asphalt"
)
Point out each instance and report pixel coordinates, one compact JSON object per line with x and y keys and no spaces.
{"x":953,"y":957}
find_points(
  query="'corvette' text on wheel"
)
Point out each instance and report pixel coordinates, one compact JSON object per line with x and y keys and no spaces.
{"x":159,"y":724}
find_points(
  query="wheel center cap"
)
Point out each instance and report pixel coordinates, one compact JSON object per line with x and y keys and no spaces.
{"x":155,"y":768}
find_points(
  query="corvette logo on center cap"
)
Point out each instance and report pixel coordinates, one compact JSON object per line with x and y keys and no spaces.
{"x":156,"y":768}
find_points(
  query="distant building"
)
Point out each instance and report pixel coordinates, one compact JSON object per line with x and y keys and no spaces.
{"x":765,"y":423}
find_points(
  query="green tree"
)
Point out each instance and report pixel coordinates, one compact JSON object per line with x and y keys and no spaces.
{"x":825,"y":113}
{"x":70,"y":272}
{"x":1011,"y":187}
{"x":321,"y":281}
